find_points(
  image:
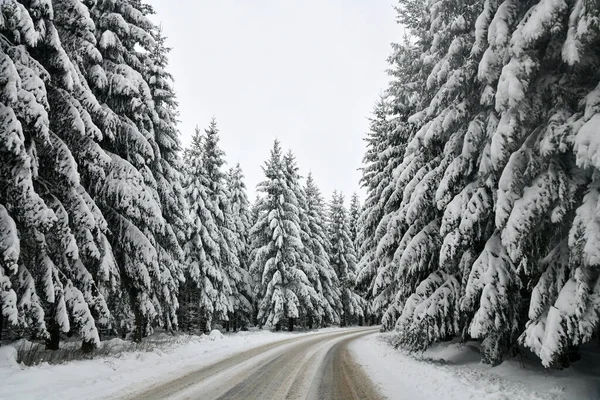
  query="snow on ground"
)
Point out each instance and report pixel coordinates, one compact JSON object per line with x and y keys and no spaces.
{"x":121,"y":375}
{"x":454,"y":372}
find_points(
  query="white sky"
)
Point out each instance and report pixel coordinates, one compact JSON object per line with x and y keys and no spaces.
{"x":307,"y":72}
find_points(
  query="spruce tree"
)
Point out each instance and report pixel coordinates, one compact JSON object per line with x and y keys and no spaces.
{"x":207,"y":293}
{"x":137,"y":131}
{"x":242,"y":222}
{"x":219,"y":205}
{"x":354,"y":214}
{"x":343,"y":261}
{"x":307,"y":265}
{"x":58,"y":257}
{"x":282,"y":287}
{"x":320,"y":249}
{"x":493,"y":192}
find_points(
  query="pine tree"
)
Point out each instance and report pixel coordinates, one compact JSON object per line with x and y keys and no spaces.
{"x":137,"y":132}
{"x":354,"y":214}
{"x":490,"y":195}
{"x":207,"y":294}
{"x":343,"y":261}
{"x":320,"y":248}
{"x":242,"y":222}
{"x":307,"y":265}
{"x":167,"y":170}
{"x":381,"y":158}
{"x":59,"y":255}
{"x":277,"y":254}
{"x":218,"y":203}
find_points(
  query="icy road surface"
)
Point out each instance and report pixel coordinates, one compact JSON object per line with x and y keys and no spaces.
{"x":318,"y":366}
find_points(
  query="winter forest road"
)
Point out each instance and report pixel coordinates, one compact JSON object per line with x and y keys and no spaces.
{"x":317,"y":366}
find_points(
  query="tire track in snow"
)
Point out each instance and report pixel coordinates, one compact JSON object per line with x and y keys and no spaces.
{"x":309,"y":367}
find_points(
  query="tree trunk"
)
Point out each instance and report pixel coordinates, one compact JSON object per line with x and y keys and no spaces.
{"x":278,"y":326}
{"x":310,"y":322}
{"x":138,"y":333}
{"x":88,"y":347}
{"x":53,"y":343}
{"x":290,"y":324}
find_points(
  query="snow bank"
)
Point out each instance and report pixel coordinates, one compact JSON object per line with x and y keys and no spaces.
{"x":124,"y":374}
{"x":215,"y":334}
{"x":454,"y":372}
{"x":8,"y":357}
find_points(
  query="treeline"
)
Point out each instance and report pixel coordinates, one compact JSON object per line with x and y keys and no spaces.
{"x":108,"y":227}
{"x":482,"y":217}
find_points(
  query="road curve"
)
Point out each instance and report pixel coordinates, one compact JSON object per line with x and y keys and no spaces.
{"x":317,"y":366}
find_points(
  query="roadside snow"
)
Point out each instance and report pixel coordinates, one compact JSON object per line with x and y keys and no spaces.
{"x":121,"y":375}
{"x":454,"y":372}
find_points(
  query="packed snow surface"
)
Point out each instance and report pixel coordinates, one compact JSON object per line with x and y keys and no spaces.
{"x":122,"y":375}
{"x":448,"y":371}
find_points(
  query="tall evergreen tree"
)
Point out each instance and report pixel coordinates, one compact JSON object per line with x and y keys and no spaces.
{"x":207,"y":294}
{"x":343,"y":261}
{"x":42,"y":97}
{"x":354,"y":215}
{"x":307,"y":264}
{"x":320,"y":248}
{"x":284,"y":290}
{"x":242,"y":222}
{"x":489,"y":168}
{"x":218,"y":203}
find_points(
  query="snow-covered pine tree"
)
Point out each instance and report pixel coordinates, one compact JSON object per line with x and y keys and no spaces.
{"x":320,"y":248}
{"x":207,"y":293}
{"x":219,"y":204}
{"x":85,"y":115}
{"x":242,"y":222}
{"x":343,"y":260}
{"x":354,"y":215}
{"x":382,"y":156}
{"x":434,"y":173}
{"x":23,"y":117}
{"x":48,"y":92}
{"x":503,"y":166}
{"x":143,"y":241}
{"x":283,"y":289}
{"x":389,"y":234}
{"x":167,"y":170}
{"x":308,"y":265}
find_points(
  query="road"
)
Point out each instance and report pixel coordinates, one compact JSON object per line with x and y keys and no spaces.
{"x":317,"y":366}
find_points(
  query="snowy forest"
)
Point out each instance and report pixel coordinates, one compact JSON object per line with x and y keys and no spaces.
{"x":481,"y":182}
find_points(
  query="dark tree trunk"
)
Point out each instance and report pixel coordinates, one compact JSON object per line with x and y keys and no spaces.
{"x":310,"y":322}
{"x":139,"y":326}
{"x":278,"y":327}
{"x":53,"y":342}
{"x":290,"y":324}
{"x":88,"y":347}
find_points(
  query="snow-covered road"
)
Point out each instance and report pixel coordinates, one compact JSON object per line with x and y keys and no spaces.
{"x":307,"y":367}
{"x":332,"y":363}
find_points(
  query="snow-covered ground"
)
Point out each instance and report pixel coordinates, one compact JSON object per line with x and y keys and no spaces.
{"x":454,"y":372}
{"x":124,"y":374}
{"x":445,"y":372}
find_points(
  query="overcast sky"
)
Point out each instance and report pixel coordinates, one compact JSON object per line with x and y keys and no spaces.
{"x":307,"y":72}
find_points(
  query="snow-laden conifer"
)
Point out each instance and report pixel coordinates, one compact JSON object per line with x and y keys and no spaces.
{"x":281,"y":285}
{"x":320,"y":250}
{"x":343,"y":260}
{"x":207,"y":294}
